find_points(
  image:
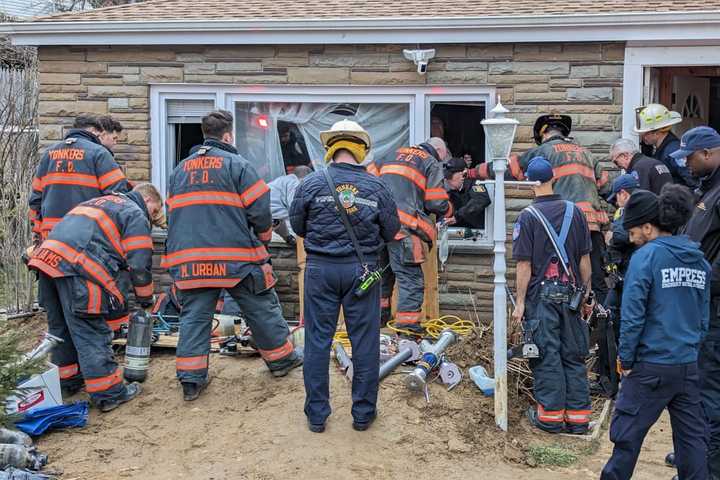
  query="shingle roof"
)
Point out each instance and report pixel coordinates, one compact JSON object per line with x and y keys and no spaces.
{"x":364,"y":9}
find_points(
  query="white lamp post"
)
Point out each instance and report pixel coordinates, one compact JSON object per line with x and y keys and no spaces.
{"x":499,"y":134}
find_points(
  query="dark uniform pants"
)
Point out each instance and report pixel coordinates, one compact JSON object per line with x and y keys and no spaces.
{"x":560,"y":376}
{"x":86,"y":352}
{"x":329,"y":284}
{"x":597,"y":264}
{"x":405,"y":257}
{"x":262,"y":312}
{"x":709,"y":365}
{"x":644,"y":394}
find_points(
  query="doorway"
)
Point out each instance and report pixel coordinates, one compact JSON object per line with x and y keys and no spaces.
{"x":187,"y":136}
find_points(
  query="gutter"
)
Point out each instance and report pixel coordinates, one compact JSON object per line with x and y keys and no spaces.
{"x":670,"y":26}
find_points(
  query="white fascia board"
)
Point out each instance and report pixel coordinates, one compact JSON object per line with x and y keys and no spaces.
{"x":671,"y":26}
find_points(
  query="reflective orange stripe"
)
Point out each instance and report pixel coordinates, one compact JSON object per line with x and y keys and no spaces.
{"x":373,"y":170}
{"x":277,"y":353}
{"x":91,"y":267}
{"x":37,"y":184}
{"x":417,"y":249}
{"x":436,"y":194}
{"x":229,"y":254}
{"x":578,"y":416}
{"x":110,"y":178}
{"x":144,"y":291}
{"x":116,"y":323}
{"x":515,"y":168}
{"x":266,"y":235}
{"x":191,"y":363}
{"x":44,"y":267}
{"x":257,"y":190}
{"x":107,"y":226}
{"x":49,"y":223}
{"x":594,"y":217}
{"x":207,"y":283}
{"x":408,"y":317}
{"x":414,"y":223}
{"x":404,"y":171}
{"x":68,"y":371}
{"x":205,"y":198}
{"x":94,"y":298}
{"x":555,"y":416}
{"x":80,"y":179}
{"x":95,"y":385}
{"x":137,"y":243}
{"x":574,"y":169}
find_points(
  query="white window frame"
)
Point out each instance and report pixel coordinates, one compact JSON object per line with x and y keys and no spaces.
{"x":419,"y":99}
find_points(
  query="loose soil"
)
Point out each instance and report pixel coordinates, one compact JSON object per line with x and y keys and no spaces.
{"x":249,"y":425}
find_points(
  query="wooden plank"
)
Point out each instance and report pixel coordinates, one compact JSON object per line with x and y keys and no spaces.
{"x":301,"y":260}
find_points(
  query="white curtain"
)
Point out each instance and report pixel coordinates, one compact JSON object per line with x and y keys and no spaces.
{"x":387,"y":124}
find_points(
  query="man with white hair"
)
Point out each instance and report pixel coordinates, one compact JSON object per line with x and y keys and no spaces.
{"x":650,"y":173}
{"x":415,"y":178}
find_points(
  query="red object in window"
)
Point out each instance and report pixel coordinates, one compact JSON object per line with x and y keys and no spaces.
{"x":262,"y":122}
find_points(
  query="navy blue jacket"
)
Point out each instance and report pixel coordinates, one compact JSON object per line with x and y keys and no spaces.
{"x":665,"y":304}
{"x":680,"y":174}
{"x":368,"y":202}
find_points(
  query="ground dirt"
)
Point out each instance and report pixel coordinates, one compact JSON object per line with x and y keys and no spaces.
{"x":249,"y":425}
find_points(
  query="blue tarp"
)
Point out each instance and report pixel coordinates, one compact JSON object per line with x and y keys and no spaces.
{"x":39,"y":421}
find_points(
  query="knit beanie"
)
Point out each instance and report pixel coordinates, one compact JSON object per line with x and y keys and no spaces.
{"x":642,"y":207}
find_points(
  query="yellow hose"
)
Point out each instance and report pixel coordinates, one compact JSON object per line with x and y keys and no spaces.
{"x":435,"y":326}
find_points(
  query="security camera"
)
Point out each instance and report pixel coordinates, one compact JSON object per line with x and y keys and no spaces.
{"x":421,"y":58}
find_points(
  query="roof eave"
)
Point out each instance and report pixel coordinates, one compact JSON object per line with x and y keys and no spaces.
{"x":597,"y":27}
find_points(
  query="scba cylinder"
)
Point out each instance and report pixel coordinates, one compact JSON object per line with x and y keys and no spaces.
{"x":137,"y":350}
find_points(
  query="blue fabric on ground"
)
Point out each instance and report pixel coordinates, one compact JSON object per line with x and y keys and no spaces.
{"x":39,"y":421}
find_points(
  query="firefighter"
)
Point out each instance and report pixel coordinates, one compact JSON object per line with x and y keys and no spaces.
{"x":653,"y":123}
{"x":79,"y":264}
{"x":415,"y":179}
{"x":665,"y":311}
{"x":469,"y":198}
{"x":219,"y":224}
{"x":70,"y":172}
{"x":700,"y":150}
{"x":579,"y":178}
{"x":549,"y":280}
{"x":335,"y":269}
{"x":111,"y":130}
{"x":652,"y":174}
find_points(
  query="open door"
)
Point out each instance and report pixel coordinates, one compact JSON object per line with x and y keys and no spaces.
{"x":691,"y":97}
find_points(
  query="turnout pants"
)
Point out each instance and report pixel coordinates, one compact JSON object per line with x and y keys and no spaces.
{"x":262,"y":312}
{"x":644,"y":394}
{"x":86,"y":352}
{"x":405,"y":258}
{"x":560,"y":376}
{"x":709,"y":366}
{"x":329,"y":284}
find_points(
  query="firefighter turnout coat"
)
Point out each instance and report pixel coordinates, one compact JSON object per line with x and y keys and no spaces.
{"x":218,"y":220}
{"x":71,"y":172}
{"x":415,"y":178}
{"x":93,"y":243}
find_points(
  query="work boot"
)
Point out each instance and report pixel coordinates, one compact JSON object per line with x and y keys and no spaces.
{"x":535,"y":422}
{"x":281,"y":372}
{"x":362,"y":426}
{"x":670,"y":460}
{"x":316,"y":427}
{"x":191,"y":391}
{"x":415,"y":330}
{"x":576,"y":429}
{"x":132,"y":390}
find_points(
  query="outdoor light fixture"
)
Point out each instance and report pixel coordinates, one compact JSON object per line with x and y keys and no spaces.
{"x":500,"y":133}
{"x":420,"y":58}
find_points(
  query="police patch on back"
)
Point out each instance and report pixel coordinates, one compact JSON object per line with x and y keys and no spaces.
{"x":661,"y":169}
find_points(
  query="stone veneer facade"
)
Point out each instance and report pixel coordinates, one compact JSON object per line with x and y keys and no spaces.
{"x":581,"y":79}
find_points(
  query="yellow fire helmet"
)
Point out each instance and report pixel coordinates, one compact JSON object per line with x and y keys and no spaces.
{"x":654,"y":117}
{"x":347,"y":135}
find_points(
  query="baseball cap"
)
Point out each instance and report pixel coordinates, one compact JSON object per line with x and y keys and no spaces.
{"x":539,"y":170}
{"x":696,"y":139}
{"x":627,"y":182}
{"x":455,"y":165}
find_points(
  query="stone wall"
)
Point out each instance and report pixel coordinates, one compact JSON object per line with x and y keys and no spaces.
{"x":583,"y":80}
